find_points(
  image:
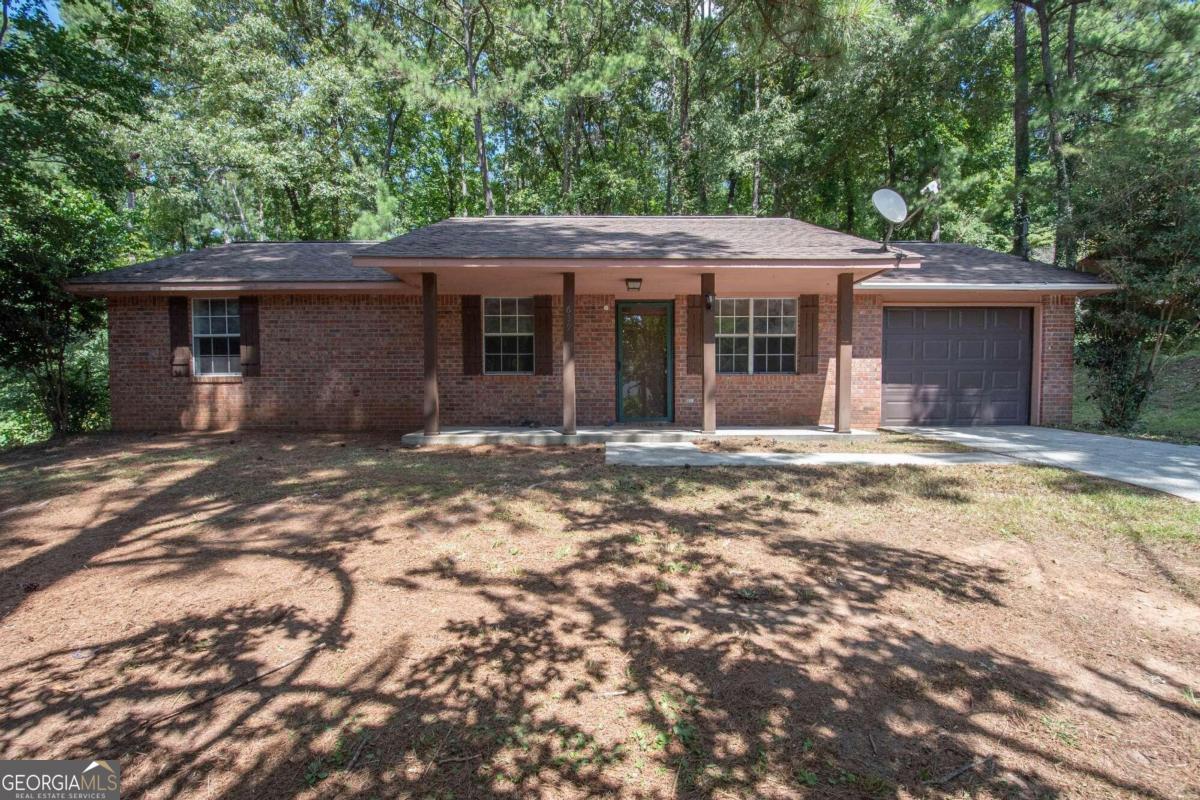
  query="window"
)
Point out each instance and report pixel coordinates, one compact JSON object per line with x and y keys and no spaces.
{"x":508,"y":334}
{"x":216,"y":337}
{"x":756,"y":335}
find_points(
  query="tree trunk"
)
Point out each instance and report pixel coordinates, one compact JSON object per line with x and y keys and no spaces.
{"x":756,"y":191}
{"x":1064,"y":235}
{"x":1020,"y":132}
{"x":848,"y":195}
{"x":385,"y":169}
{"x":472,"y":58}
{"x":685,"y":99}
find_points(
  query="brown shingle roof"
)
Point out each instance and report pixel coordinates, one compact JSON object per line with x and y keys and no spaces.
{"x":625,"y":237}
{"x":951,"y":263}
{"x":248,"y":262}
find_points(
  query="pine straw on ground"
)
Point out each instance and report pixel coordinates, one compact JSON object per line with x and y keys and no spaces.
{"x":525,"y":623}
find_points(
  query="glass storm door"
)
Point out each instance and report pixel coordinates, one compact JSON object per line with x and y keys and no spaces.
{"x":644,"y":369}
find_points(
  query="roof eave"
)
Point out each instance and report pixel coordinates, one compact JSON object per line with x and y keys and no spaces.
{"x":410,"y":264}
{"x":105,"y":289}
{"x":1073,"y":288}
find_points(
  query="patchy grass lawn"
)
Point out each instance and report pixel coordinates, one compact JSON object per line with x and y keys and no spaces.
{"x":1172,"y":412}
{"x":885,"y":442}
{"x":523,"y":623}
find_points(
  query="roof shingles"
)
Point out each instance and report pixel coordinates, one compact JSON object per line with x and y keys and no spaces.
{"x":952,"y":263}
{"x":700,"y":238}
{"x":249,"y":262}
{"x":942,"y":264}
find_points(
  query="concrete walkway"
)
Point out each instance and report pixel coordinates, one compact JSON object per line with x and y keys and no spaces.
{"x":602,"y":434}
{"x":687,"y":454}
{"x":1171,"y":468}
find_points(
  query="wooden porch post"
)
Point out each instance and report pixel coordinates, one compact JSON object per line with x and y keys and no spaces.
{"x":845,"y":352}
{"x":429,"y":299}
{"x":568,"y":354}
{"x":708,"y":290}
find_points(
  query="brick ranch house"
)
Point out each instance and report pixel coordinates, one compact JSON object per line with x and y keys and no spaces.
{"x":566,"y":321}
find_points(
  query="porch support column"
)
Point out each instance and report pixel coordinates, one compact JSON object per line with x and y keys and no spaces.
{"x":429,"y":298}
{"x":568,"y":355}
{"x":845,"y":352}
{"x":708,"y":290}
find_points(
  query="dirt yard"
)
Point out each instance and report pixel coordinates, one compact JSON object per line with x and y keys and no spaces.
{"x":283,"y":615}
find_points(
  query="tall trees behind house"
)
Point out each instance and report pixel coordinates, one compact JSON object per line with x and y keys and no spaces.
{"x":327,"y":118}
{"x":319,"y":119}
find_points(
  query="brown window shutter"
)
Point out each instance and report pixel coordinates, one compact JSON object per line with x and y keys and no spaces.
{"x":181,"y":340}
{"x":543,"y":334}
{"x":806,"y":334}
{"x":248,"y":320}
{"x":472,"y":334}
{"x":695,"y":335}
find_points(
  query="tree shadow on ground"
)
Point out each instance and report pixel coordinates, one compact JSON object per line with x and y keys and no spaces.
{"x":588,"y":678}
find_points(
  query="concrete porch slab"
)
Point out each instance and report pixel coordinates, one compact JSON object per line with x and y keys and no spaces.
{"x":549,"y":437}
{"x":687,"y":454}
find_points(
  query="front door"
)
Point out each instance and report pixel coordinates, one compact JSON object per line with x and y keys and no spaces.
{"x":644,"y":369}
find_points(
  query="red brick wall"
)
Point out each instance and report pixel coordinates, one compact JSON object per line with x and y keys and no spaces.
{"x":1058,"y":358}
{"x":328,"y":363}
{"x":340,"y":362}
{"x":791,"y":399}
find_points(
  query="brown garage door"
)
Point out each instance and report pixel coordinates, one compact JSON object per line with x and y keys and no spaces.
{"x":956,"y":366}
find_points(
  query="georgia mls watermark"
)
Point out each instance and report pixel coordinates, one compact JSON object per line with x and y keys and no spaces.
{"x":79,"y":779}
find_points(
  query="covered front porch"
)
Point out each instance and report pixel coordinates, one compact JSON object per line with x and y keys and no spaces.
{"x":687,"y":400}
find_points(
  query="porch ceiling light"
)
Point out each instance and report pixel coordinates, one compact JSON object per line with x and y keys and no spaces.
{"x":633,"y":284}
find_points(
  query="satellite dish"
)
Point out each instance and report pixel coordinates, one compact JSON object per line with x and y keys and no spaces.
{"x":890,"y":205}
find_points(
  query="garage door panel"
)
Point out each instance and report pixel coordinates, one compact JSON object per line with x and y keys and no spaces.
{"x":972,"y":318}
{"x":935,"y":349}
{"x":1009,"y":380}
{"x":1010,"y":319}
{"x":970,"y":380}
{"x":1007,"y":350}
{"x":970,"y":349}
{"x":956,"y":366}
{"x":935,"y":319}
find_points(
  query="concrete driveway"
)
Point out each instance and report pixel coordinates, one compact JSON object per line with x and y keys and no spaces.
{"x":1171,"y":468}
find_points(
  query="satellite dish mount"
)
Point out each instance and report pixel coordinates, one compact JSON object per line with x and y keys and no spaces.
{"x":893,"y":209}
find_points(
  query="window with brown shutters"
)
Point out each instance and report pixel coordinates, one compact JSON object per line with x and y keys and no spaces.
{"x":472,"y":334}
{"x":806,"y":334}
{"x":180,"y":339}
{"x":216,"y":336}
{"x":248,"y":346}
{"x":695,"y":334}
{"x":509,"y":334}
{"x":756,"y":336}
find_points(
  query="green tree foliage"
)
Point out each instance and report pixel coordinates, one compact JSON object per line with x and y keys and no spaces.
{"x":1142,"y":217}
{"x":47,"y":337}
{"x":319,"y":119}
{"x":64,"y":90}
{"x":66,"y":93}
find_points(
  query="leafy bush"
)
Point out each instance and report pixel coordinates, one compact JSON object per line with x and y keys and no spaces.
{"x":23,"y":419}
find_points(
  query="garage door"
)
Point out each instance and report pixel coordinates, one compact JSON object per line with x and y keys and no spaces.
{"x":956,"y":366}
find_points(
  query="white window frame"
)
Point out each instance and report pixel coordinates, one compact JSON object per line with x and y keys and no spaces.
{"x":196,"y":337}
{"x":532,"y":315}
{"x":751,"y":335}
